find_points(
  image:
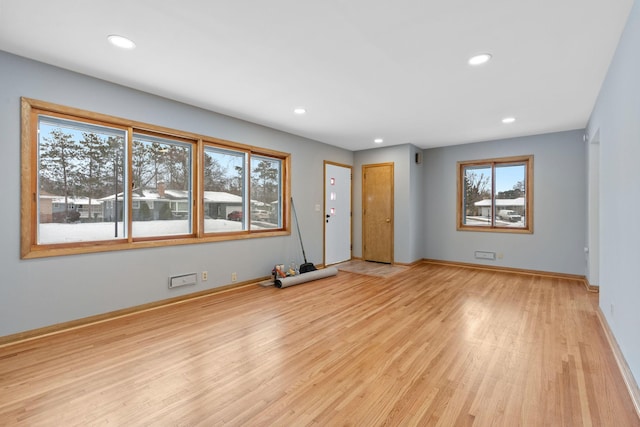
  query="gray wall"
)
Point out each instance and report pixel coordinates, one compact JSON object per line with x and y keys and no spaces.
{"x":557,"y":243}
{"x":615,"y":124}
{"x":408,"y":199}
{"x":41,"y":292}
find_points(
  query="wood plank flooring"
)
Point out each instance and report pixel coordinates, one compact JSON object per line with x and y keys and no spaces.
{"x":435,"y":346}
{"x":371,"y":268}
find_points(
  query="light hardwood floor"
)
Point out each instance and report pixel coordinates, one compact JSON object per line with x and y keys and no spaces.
{"x":371,"y":268}
{"x":436,"y":345}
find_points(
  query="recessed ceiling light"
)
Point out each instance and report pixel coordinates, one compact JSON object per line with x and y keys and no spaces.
{"x":121,"y":42}
{"x":300,"y":110}
{"x":480,"y":59}
{"x":508,"y":120}
{"x":378,"y":140}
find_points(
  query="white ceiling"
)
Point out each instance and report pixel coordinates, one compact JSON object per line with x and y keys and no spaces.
{"x":362,"y":68}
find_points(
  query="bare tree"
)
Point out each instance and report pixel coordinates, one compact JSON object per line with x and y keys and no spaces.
{"x":476,"y":188}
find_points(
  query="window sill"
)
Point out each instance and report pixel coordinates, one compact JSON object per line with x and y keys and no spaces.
{"x":43,"y":251}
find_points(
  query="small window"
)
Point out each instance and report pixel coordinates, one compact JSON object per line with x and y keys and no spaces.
{"x":496,"y":195}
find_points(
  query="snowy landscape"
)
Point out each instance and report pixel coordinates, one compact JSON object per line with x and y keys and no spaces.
{"x":484,"y":221}
{"x":51,"y":233}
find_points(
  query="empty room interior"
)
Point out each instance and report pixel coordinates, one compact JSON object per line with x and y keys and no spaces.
{"x":330,"y":213}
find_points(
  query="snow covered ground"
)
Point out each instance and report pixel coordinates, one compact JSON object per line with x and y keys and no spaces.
{"x":85,"y":232}
{"x":480,"y":221}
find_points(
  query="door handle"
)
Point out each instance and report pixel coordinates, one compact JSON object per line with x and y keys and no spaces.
{"x":388,"y":220}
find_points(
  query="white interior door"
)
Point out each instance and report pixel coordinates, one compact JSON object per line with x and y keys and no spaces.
{"x":337,"y":213}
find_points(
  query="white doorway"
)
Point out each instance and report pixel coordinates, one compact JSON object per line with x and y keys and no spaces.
{"x":337,"y":213}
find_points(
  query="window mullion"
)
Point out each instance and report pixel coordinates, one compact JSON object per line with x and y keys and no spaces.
{"x":128,"y":184}
{"x":198,"y":189}
{"x":493,"y":195}
{"x":249,"y":192}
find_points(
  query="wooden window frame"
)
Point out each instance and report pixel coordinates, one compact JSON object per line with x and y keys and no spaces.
{"x":29,"y":247}
{"x":493,"y":163}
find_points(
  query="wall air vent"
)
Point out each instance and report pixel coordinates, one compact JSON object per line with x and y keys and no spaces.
{"x":491,"y":256}
{"x":183,"y":280}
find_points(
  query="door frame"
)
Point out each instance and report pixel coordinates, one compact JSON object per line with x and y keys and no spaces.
{"x":593,"y":217}
{"x":392,"y":212}
{"x":324,"y":208}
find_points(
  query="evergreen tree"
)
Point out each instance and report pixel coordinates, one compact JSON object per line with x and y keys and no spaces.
{"x":165,"y":211}
{"x":237,"y":182}
{"x":514,"y":193}
{"x":114,"y":178}
{"x":59,"y":155}
{"x":177,"y":161}
{"x":264,"y":179}
{"x":140,"y":163}
{"x":145,"y":212}
{"x":95,"y":151}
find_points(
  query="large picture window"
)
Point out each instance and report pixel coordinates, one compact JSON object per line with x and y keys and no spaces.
{"x":496,"y":195}
{"x":94,"y":183}
{"x":80,"y":167}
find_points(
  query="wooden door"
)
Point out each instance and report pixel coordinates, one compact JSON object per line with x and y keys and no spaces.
{"x":377,"y":212}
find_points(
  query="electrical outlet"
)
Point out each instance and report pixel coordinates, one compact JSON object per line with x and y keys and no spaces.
{"x":205,"y":276}
{"x":234,"y":277}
